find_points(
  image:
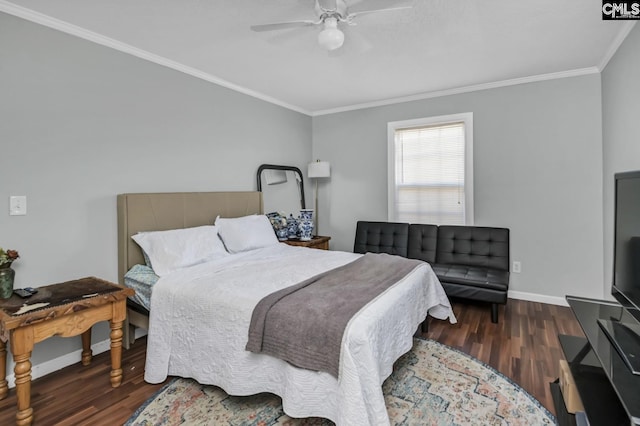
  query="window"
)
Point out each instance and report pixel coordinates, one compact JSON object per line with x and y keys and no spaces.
{"x":431,"y":170}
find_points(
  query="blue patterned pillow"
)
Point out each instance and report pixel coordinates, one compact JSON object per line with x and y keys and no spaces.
{"x":141,"y":278}
{"x":147,"y":261}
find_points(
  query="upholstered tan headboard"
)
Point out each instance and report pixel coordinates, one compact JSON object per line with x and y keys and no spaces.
{"x":162,"y":211}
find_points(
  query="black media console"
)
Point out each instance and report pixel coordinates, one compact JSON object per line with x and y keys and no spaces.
{"x":609,"y":391}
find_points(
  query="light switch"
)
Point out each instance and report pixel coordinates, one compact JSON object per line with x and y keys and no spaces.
{"x":17,"y":205}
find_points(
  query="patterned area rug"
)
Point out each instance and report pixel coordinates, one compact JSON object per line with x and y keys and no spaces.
{"x":432,"y":384}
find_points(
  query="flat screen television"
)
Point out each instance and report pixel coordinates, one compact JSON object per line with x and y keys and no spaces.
{"x":624,"y":332}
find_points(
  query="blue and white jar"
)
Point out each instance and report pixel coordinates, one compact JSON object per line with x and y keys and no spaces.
{"x":282,"y":234}
{"x":292,"y":227}
{"x":305,"y":225}
{"x":306,"y":230}
{"x":306,"y":214}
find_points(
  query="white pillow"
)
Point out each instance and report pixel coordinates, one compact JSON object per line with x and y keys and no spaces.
{"x":246,"y":233}
{"x":179,"y":248}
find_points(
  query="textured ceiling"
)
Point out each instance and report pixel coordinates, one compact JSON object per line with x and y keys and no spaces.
{"x":438,"y":46}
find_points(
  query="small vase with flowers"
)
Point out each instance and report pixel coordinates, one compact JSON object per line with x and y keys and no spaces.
{"x":7,"y":274}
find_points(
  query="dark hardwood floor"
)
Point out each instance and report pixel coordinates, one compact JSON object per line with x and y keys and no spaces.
{"x":523,"y":346}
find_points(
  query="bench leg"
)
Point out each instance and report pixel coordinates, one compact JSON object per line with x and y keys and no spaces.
{"x":425,"y":325}
{"x":127,"y":330}
{"x":494,"y":313}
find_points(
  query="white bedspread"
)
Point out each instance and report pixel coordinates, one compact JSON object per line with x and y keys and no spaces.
{"x":200,"y":318}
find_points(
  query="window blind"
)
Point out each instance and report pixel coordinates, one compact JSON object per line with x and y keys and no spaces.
{"x":430,"y":174}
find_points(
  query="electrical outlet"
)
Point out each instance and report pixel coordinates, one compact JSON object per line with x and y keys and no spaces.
{"x":517,"y":267}
{"x":17,"y":205}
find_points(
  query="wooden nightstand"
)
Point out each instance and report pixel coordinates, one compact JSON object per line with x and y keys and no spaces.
{"x":66,"y":309}
{"x":316,"y":242}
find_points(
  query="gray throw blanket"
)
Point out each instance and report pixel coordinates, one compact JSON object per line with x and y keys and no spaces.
{"x":304,"y":324}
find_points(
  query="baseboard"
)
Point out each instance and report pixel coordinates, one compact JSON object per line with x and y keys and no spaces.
{"x":541,"y":298}
{"x":59,"y":363}
{"x":66,"y":360}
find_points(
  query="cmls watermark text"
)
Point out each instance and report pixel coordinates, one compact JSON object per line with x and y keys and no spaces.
{"x":620,"y":10}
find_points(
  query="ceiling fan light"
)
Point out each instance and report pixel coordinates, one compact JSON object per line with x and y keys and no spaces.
{"x":331,"y":38}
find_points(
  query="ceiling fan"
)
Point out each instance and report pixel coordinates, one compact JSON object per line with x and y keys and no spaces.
{"x":329,"y":14}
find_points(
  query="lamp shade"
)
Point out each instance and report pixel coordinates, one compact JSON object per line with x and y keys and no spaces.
{"x":319,"y":169}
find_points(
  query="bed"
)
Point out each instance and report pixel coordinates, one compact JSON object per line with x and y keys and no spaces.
{"x":200,"y":315}
{"x":143,"y":212}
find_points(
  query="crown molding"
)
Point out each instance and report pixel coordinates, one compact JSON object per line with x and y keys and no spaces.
{"x":48,"y":21}
{"x":56,"y":24}
{"x":617,"y":42}
{"x":460,"y":90}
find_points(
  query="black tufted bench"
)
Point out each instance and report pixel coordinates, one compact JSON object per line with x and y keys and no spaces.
{"x":471,"y":262}
{"x":382,"y":237}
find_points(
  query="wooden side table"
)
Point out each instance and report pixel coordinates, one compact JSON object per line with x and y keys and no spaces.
{"x":66,"y":309}
{"x":316,"y":242}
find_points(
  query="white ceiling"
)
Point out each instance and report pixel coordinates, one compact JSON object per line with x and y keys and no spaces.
{"x":437,"y":47}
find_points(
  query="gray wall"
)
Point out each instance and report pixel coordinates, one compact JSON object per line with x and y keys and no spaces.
{"x":621,"y":136}
{"x":537,"y":171}
{"x":80,"y":123}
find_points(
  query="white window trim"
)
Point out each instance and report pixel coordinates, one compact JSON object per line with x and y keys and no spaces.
{"x":467,"y":118}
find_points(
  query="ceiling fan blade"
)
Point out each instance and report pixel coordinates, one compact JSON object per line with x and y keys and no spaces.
{"x":283,"y":25}
{"x":385,"y":9}
{"x":327,"y":4}
{"x":359,"y":5}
